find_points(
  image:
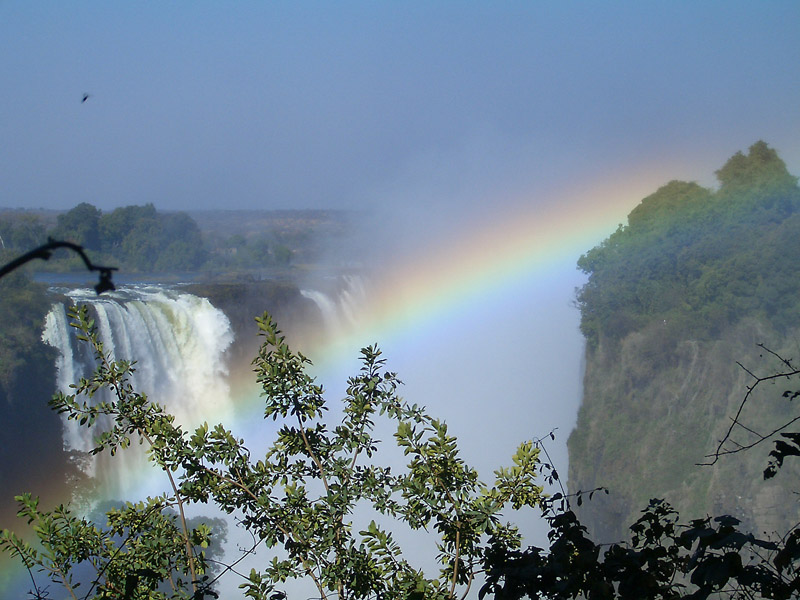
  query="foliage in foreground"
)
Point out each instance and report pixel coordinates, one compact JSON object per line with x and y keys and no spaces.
{"x":302,"y":497}
{"x":665,"y":559}
{"x":299,"y":498}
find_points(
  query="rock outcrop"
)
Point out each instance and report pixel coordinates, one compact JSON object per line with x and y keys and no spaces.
{"x":675,"y":306}
{"x":649,"y":418}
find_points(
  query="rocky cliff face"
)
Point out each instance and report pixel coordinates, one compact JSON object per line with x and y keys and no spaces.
{"x":675,"y":300}
{"x":649,"y":416}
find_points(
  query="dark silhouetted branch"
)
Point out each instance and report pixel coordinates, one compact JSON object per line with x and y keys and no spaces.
{"x":788,"y":372}
{"x":45,"y":251}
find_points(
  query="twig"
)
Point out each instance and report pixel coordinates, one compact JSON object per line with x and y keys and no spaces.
{"x":720,"y":450}
{"x":45,"y":251}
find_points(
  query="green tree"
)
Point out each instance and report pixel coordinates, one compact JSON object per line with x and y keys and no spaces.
{"x":142,"y":239}
{"x":142,"y":244}
{"x":282,"y":255}
{"x":21,"y":232}
{"x":182,"y":244}
{"x":79,"y":225}
{"x":300,"y":497}
{"x":115,"y":226}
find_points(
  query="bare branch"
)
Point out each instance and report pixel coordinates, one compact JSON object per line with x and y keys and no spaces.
{"x":721,"y":450}
{"x":45,"y":251}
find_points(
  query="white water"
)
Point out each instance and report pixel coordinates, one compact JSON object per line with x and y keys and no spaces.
{"x":340,"y":310}
{"x":178,"y":342}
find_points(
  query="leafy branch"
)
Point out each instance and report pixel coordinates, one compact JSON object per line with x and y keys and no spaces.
{"x":300,"y":499}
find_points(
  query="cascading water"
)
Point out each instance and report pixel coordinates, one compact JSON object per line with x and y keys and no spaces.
{"x":178,"y":343}
{"x":340,"y":309}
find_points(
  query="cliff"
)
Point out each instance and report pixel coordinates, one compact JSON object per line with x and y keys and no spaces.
{"x":675,"y":299}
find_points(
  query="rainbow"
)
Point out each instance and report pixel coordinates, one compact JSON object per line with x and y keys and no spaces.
{"x":540,"y":239}
{"x":411,"y":305}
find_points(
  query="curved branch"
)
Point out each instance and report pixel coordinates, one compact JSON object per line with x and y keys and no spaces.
{"x":45,"y":251}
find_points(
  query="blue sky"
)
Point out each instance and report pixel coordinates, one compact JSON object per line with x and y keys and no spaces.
{"x":353,"y":104}
{"x":426,"y":110}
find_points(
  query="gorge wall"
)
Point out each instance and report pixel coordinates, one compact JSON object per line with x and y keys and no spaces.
{"x":649,"y":417}
{"x":675,"y":306}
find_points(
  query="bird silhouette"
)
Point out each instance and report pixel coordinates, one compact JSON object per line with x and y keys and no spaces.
{"x":85,"y":98}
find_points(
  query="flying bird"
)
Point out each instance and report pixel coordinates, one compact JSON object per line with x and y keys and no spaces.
{"x":85,"y":98}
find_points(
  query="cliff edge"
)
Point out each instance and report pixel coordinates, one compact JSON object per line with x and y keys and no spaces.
{"x":675,"y":306}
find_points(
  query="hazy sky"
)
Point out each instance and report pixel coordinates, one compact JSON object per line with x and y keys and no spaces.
{"x":449,"y":108}
{"x":348,"y":104}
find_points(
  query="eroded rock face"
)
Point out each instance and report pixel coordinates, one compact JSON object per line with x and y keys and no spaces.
{"x":654,"y":407}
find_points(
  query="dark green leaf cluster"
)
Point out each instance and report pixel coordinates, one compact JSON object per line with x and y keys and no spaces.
{"x":789,"y":446}
{"x":662,"y":561}
{"x":695,"y":260}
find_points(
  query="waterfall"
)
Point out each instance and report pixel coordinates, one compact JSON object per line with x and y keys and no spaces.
{"x":340,"y":309}
{"x":178,"y":342}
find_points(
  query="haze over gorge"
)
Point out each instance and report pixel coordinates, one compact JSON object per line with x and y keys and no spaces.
{"x":673,"y":300}
{"x":554,"y":221}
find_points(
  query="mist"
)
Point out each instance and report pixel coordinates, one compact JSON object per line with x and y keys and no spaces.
{"x":443,"y":127}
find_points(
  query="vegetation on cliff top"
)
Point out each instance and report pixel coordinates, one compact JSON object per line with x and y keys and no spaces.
{"x":698,"y":260}
{"x":674,"y":300}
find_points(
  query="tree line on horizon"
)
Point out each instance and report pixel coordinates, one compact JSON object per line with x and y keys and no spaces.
{"x":141,"y":239}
